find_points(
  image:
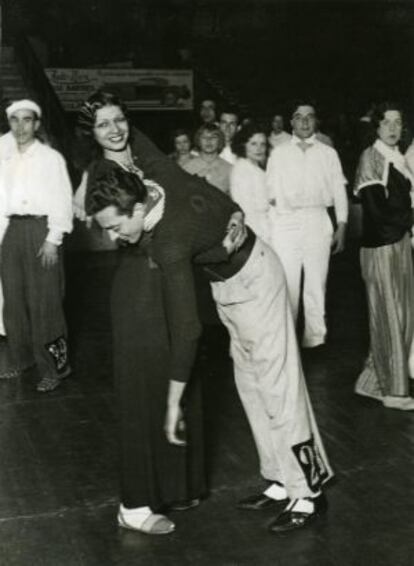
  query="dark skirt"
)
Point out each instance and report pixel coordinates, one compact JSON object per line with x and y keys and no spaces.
{"x":153,"y":472}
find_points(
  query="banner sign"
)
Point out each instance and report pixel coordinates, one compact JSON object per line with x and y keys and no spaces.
{"x":140,"y":89}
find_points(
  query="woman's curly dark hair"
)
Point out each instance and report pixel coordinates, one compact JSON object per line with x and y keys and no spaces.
{"x":238,"y":145}
{"x":85,"y":149}
{"x":87,"y":112}
{"x":378,"y":115}
{"x":113,"y":186}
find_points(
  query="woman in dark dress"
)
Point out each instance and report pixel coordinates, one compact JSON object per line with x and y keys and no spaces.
{"x":384,"y":186}
{"x":149,"y":351}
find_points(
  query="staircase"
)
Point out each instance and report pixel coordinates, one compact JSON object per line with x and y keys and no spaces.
{"x":12,"y":86}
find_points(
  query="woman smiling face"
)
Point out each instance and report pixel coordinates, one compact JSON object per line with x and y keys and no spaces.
{"x":111,"y":129}
{"x":256,"y":148}
{"x":390,"y":128}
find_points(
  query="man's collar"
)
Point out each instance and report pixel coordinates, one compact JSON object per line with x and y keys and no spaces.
{"x":310,"y":141}
{"x":30,"y":150}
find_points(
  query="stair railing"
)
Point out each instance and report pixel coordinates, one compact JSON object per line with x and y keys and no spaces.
{"x":36,"y":81}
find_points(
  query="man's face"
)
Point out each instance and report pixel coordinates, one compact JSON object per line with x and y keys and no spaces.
{"x":23,"y":124}
{"x":304,"y":122}
{"x":209,"y":143}
{"x":228,"y":125}
{"x":277,"y":124}
{"x":122,"y":226}
{"x":111,"y":129}
{"x":208,"y":111}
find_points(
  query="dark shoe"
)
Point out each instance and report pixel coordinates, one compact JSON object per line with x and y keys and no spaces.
{"x":260,"y":503}
{"x":290,"y":520}
{"x":11,"y":374}
{"x":185,"y":505}
{"x":48,"y":384}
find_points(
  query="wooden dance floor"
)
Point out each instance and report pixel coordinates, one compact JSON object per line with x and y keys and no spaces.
{"x":58,"y":459}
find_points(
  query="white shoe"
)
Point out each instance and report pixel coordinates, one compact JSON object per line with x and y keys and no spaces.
{"x":150,"y":524}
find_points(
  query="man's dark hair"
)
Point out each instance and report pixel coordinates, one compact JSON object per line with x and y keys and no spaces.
{"x":116,"y":187}
{"x":294,"y":105}
{"x":230,"y":110}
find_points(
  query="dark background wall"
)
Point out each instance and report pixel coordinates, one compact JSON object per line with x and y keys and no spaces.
{"x":344,"y":54}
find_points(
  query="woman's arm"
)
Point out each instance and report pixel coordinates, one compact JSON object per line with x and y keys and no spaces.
{"x":376,"y":205}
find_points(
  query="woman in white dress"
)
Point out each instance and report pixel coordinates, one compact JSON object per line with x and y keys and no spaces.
{"x":247,"y":180}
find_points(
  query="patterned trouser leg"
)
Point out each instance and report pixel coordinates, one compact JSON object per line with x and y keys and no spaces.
{"x":33,"y":313}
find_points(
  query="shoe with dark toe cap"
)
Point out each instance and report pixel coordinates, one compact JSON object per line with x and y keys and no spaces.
{"x":261,"y":502}
{"x":293,"y":517}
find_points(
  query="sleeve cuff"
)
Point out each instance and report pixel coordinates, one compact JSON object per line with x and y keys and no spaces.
{"x":55,"y":237}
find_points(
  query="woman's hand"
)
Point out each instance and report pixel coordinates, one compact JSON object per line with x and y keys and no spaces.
{"x":174,"y":425}
{"x":236,"y":232}
{"x":48,"y":254}
{"x":338,"y":239}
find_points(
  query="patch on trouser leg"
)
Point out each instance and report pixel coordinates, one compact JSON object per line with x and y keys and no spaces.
{"x":58,"y":350}
{"x":312,"y":465}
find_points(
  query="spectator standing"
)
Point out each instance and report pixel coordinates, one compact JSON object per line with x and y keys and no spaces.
{"x":278,"y":135}
{"x":229,"y":123}
{"x":248,"y":179}
{"x":305,"y":179}
{"x":36,"y":212}
{"x":208,"y":164}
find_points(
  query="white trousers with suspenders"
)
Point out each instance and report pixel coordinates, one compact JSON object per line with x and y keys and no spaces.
{"x":255,"y":308}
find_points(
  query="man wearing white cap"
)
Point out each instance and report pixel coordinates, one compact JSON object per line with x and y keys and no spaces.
{"x":35,"y":213}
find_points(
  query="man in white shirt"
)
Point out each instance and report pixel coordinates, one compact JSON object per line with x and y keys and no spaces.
{"x":278,"y":135}
{"x":229,"y":124}
{"x":35,"y":212}
{"x":305,"y":179}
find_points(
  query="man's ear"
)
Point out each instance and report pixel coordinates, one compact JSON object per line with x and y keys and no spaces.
{"x":37,"y":124}
{"x":139,"y":208}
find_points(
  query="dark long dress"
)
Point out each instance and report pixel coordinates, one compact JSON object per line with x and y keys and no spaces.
{"x":153,"y":472}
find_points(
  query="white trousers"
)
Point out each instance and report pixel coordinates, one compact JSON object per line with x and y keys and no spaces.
{"x":254,"y":306}
{"x":302,"y":239}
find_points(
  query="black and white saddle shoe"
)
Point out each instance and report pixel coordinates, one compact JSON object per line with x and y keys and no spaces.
{"x":292,"y":518}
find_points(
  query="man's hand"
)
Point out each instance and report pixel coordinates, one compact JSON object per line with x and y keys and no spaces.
{"x":174,"y":425}
{"x":80,"y":213}
{"x":48,"y":254}
{"x":338,"y":238}
{"x":236,"y":232}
